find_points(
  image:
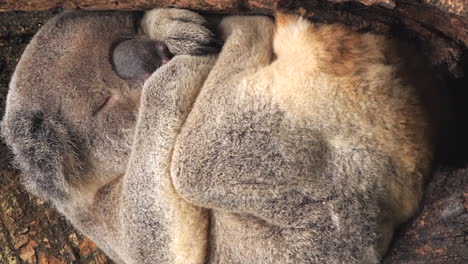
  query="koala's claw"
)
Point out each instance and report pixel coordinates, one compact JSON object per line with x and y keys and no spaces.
{"x":183,"y":31}
{"x":192,"y":39}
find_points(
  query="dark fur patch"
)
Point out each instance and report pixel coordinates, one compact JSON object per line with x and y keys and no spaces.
{"x":41,"y":145}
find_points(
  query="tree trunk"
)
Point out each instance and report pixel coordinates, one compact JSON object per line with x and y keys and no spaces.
{"x":438,"y":235}
{"x":30,"y":232}
{"x":458,"y":7}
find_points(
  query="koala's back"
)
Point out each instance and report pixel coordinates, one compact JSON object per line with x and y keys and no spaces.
{"x":314,"y":156}
{"x":321,"y":196}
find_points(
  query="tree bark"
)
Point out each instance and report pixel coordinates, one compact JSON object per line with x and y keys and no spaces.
{"x":438,"y":235}
{"x":30,"y":232}
{"x":458,"y":7}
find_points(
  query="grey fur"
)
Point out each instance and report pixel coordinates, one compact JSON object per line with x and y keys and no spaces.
{"x":209,"y":138}
{"x":184,"y":32}
{"x":76,"y":157}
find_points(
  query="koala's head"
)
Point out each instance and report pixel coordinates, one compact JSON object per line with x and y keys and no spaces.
{"x":70,"y":116}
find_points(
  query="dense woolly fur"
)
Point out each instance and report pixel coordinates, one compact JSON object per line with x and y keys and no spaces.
{"x":42,"y":148}
{"x":306,"y":142}
{"x":298,"y":143}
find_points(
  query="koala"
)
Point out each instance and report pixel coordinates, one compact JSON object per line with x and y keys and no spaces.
{"x":297,"y":143}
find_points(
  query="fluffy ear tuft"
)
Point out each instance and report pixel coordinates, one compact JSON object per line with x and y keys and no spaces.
{"x":42,"y":149}
{"x":283,"y":20}
{"x":292,"y":37}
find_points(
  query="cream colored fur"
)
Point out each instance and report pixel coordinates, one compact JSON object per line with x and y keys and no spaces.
{"x":353,"y":74}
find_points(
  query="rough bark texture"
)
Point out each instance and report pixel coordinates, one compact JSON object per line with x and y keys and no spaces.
{"x":454,"y":6}
{"x":438,"y":235}
{"x":30,"y":232}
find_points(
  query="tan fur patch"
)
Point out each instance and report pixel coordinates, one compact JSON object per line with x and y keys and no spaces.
{"x":348,"y":78}
{"x":282,"y":19}
{"x":189,"y":230}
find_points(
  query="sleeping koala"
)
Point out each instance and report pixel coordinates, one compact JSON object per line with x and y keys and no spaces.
{"x":298,"y":143}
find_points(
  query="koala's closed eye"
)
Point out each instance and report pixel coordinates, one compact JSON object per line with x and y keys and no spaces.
{"x":137,"y":59}
{"x":102,"y":103}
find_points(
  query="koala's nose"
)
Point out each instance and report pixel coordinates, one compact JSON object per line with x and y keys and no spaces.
{"x":163,"y":52}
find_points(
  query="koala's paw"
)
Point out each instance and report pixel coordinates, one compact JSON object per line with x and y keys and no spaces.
{"x":183,"y":31}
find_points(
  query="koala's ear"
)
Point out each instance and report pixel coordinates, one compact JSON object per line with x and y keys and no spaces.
{"x":43,"y":151}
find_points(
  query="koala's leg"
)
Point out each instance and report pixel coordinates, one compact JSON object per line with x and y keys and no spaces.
{"x":176,"y":231}
{"x":247,"y":47}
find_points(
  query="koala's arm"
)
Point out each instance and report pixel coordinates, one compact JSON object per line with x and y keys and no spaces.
{"x":166,"y":100}
{"x":183,"y":31}
{"x":167,"y":97}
